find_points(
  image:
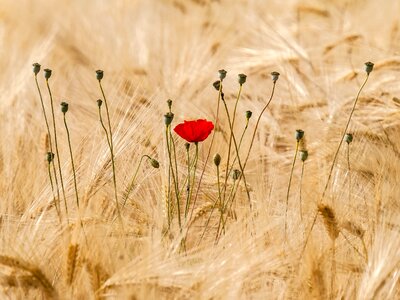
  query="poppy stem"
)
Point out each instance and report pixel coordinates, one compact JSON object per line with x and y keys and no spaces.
{"x":231,"y":127}
{"x":52,"y":189}
{"x":187,"y":179}
{"x":56,"y":146}
{"x":238,"y":156}
{"x":225,"y":208}
{"x":168,"y":136}
{"x":58,"y":208}
{"x":300,"y":191}
{"x":191,"y":185}
{"x":290,"y":182}
{"x":209,"y":151}
{"x":111,"y":146}
{"x":333,"y":164}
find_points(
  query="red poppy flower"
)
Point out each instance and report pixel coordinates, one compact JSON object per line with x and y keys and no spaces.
{"x":194,"y":131}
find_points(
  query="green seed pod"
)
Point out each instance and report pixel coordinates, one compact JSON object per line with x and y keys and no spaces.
{"x":99,"y":102}
{"x":348,"y":138}
{"x":64,"y":107}
{"x":36,"y":68}
{"x":369,"y":66}
{"x":303,"y":155}
{"x":187,"y":146}
{"x":299,"y":134}
{"x":47,"y":73}
{"x":275,"y":76}
{"x":50,"y":157}
{"x":248,"y":114}
{"x":236,"y":174}
{"x":217,"y":159}
{"x":222,"y":74}
{"x":217,"y":85}
{"x":99,"y":74}
{"x":154,"y":163}
{"x":168,"y":117}
{"x":242,"y":78}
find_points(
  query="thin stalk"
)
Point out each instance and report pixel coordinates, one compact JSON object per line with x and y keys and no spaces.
{"x":333,"y":164}
{"x":174,"y":151}
{"x":188,"y":180}
{"x":50,"y":144}
{"x":72,"y":161}
{"x":231,"y":126}
{"x":191,"y":186}
{"x":349,"y":170}
{"x":130,"y":186}
{"x":290,"y":182}
{"x":167,"y":135}
{"x":300,"y":191}
{"x":111,"y":146}
{"x":209,"y":150}
{"x":333,"y":270}
{"x":104,"y":127}
{"x":56,"y":146}
{"x":240,"y":144}
{"x":225,"y":207}
{"x":52,"y":190}
{"x":238,"y":156}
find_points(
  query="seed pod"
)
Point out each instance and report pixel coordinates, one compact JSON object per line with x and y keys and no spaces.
{"x":236,"y":174}
{"x":50,"y":157}
{"x":303,"y":155}
{"x":154,"y":163}
{"x":64,"y":107}
{"x":348,"y":138}
{"x":217,"y":159}
{"x":168,"y":117}
{"x":275,"y":76}
{"x":248,"y":114}
{"x":222,"y":74}
{"x":169,"y":103}
{"x":242,"y":78}
{"x":99,"y":102}
{"x":217,"y":85}
{"x":369,"y":66}
{"x":47,"y":73}
{"x":36,"y":68}
{"x":299,"y":134}
{"x":99,"y":74}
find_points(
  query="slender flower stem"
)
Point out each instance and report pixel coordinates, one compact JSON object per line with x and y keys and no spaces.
{"x":209,"y":150}
{"x":56,"y":146}
{"x":130,"y":186}
{"x":191,"y":186}
{"x":240,"y":144}
{"x":290,"y":182}
{"x":111,"y":146}
{"x":231,"y":126}
{"x":300,"y":191}
{"x":238,"y":156}
{"x":174,"y":151}
{"x":333,"y":164}
{"x":72,"y":162}
{"x":104,"y":128}
{"x":188,"y":180}
{"x":349,"y":170}
{"x":52,"y":190}
{"x":50,"y":145}
{"x":168,"y":135}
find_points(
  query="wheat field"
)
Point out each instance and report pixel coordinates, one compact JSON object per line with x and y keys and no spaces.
{"x":328,"y":228}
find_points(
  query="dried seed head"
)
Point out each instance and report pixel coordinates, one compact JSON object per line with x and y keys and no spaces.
{"x":348,"y":138}
{"x":36,"y":68}
{"x":299,"y":134}
{"x":236,"y":174}
{"x":275,"y":76}
{"x":242,"y":78}
{"x":217,"y":159}
{"x":369,"y":66}
{"x":217,"y":84}
{"x":154,"y":163}
{"x":99,"y":74}
{"x":47,"y":73}
{"x":222,"y":74}
{"x":64,"y":107}
{"x":99,"y":102}
{"x":168,"y":117}
{"x":248,"y":114}
{"x":50,"y":157}
{"x":330,"y":221}
{"x":303,"y":155}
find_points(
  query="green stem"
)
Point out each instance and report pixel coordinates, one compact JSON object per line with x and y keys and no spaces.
{"x":188,"y":181}
{"x":72,"y":162}
{"x":240,"y":144}
{"x":56,"y":145}
{"x":52,"y":190}
{"x":104,"y":127}
{"x":191,"y":186}
{"x":167,"y":135}
{"x":50,"y":144}
{"x":300,"y":192}
{"x":111,"y":146}
{"x":225,"y":206}
{"x":290,"y":182}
